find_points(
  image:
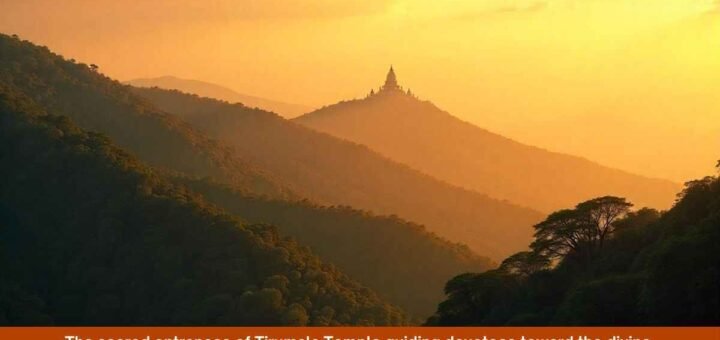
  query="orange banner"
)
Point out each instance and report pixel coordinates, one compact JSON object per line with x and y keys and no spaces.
{"x":360,"y":333}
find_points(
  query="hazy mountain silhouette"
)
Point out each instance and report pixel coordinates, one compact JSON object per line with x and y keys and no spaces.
{"x":400,"y":260}
{"x":332,"y":171}
{"x":419,"y":134}
{"x":211,"y":90}
{"x":99,"y":104}
{"x":91,"y":236}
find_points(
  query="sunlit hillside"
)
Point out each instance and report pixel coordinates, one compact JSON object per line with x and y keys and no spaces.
{"x":337,"y":172}
{"x":419,"y":134}
{"x":359,"y":163}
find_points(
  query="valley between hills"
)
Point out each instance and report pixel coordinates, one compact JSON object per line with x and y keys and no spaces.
{"x":150,"y":204}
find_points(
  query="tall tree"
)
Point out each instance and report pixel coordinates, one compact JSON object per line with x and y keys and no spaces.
{"x":601,"y":214}
{"x":559,"y":234}
{"x":654,"y":268}
{"x":582,"y":230}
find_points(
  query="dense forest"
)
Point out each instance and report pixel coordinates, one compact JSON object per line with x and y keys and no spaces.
{"x":90,"y":236}
{"x":400,"y":260}
{"x":129,"y":206}
{"x":336,"y":172}
{"x":423,"y":136}
{"x":405,"y":264}
{"x":269,"y":156}
{"x":602,"y":264}
{"x":97,"y":103}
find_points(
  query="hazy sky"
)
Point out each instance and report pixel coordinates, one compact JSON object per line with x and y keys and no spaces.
{"x":630,"y":83}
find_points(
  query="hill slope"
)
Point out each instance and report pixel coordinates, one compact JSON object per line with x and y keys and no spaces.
{"x":89,"y":236}
{"x":210,"y":90}
{"x":411,"y":273}
{"x":332,"y":171}
{"x":401,"y":261}
{"x":419,"y":134}
{"x":97,"y":103}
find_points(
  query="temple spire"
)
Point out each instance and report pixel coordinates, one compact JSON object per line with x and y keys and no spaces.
{"x":390,"y":86}
{"x":391,"y":80}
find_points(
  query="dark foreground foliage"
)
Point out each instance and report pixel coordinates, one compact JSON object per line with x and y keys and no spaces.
{"x":648,"y":269}
{"x":400,"y":260}
{"x":89,"y":236}
{"x":404,"y":263}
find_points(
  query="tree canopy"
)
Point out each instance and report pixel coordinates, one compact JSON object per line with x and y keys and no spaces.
{"x":601,"y":264}
{"x":580,"y":231}
{"x":90,"y":236}
{"x":99,"y":104}
{"x":403,"y":262}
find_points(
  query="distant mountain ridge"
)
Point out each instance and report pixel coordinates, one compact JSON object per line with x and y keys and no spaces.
{"x":91,"y":236}
{"x":332,"y":171}
{"x":421,"y":135}
{"x":206,"y":89}
{"x":97,"y":103}
{"x":196,"y":165}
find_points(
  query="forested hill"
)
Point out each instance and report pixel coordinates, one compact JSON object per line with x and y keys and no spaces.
{"x":409,"y":273}
{"x":419,"y":134}
{"x":336,"y":172}
{"x":651,"y":269}
{"x":89,"y":236}
{"x":404,"y":263}
{"x":97,"y":103}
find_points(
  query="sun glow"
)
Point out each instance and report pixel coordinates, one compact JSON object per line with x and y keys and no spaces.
{"x":585,"y":77}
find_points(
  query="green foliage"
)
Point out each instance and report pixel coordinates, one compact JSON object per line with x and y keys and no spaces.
{"x":651,"y":269}
{"x":400,"y":260}
{"x":469,"y":293}
{"x":525,"y":263}
{"x":295,"y":315}
{"x":97,"y":103}
{"x":636,"y":220}
{"x":405,"y":264}
{"x":608,"y":300}
{"x":89,"y":236}
{"x":581,"y":231}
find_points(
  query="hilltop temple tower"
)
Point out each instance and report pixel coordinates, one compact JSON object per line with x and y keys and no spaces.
{"x":390,"y":86}
{"x":391,"y":81}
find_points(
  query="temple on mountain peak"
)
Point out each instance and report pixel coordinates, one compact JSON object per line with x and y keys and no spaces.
{"x":391,"y":81}
{"x":390,"y":86}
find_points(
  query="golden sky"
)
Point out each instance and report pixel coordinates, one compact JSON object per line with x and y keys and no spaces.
{"x":630,"y":83}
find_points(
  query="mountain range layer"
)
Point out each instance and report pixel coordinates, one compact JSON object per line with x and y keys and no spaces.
{"x":419,"y":134}
{"x":332,"y":171}
{"x":403,"y":262}
{"x":90,"y":236}
{"x":211,"y":90}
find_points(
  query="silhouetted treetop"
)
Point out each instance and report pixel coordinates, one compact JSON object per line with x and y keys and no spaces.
{"x":645,"y":268}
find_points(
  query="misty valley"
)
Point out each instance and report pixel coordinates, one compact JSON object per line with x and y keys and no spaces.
{"x":166,"y":201}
